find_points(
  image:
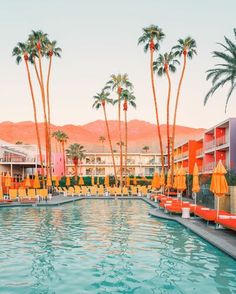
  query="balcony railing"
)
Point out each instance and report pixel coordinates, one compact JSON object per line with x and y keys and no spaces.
{"x":199,"y":152}
{"x":185,"y":154}
{"x":210,"y":144}
{"x":209,"y":166}
{"x":221,"y":140}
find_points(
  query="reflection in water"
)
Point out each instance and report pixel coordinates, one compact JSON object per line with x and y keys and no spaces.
{"x":106,"y":246}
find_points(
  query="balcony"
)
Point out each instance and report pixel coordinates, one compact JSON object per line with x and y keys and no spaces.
{"x":199,"y":152}
{"x":209,"y":166}
{"x":210,"y":144}
{"x":221,"y":141}
{"x":185,"y":154}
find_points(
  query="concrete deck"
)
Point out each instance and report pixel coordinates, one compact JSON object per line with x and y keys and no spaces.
{"x":223,"y":239}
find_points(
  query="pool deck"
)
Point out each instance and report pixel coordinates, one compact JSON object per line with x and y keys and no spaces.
{"x":223,"y":239}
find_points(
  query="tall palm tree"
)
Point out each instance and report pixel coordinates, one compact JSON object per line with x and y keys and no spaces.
{"x":225,"y":72}
{"x":118,"y":83}
{"x":128,"y":98}
{"x":145,"y":148}
{"x":76,"y":153}
{"x":101,"y":99}
{"x":151,"y":38}
{"x":187,"y":48}
{"x":50,"y":50}
{"x":38,"y":41}
{"x":163,"y":65}
{"x":21,"y":51}
{"x":102,"y":139}
{"x":62,"y":138}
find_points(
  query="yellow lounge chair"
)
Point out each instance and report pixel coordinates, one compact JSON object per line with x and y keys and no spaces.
{"x":77,"y":190}
{"x":101,"y":191}
{"x":71,"y":191}
{"x":125,"y":191}
{"x":32,"y":194}
{"x":118,"y":191}
{"x":43,"y":193}
{"x":22,"y":193}
{"x":13,"y":195}
{"x":94,"y":190}
{"x":134,"y":191}
{"x":84,"y":191}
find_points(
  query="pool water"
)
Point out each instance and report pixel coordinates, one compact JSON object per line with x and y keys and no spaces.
{"x":106,"y":246}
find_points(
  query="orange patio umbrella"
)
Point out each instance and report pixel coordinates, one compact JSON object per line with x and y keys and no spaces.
{"x":156,"y":181}
{"x":56,"y":181}
{"x":81,"y":181}
{"x":7,"y":180}
{"x":181,"y":184}
{"x":49,"y":181}
{"x":92,"y":181}
{"x":168,"y":184}
{"x":106,"y":181}
{"x":67,"y":181}
{"x":162,"y":178}
{"x":176,"y":178}
{"x":128,"y":181}
{"x":27,"y":181}
{"x":135,"y":181}
{"x":219,"y":185}
{"x":36,"y":183}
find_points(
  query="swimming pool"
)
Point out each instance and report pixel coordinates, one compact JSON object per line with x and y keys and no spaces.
{"x":106,"y":246}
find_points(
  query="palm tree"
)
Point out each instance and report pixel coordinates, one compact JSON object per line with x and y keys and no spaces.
{"x":101,"y":99}
{"x":76,"y":153}
{"x":21,"y":51}
{"x":225,"y":72}
{"x":163,"y":65}
{"x":117,"y":83}
{"x":51,"y":50}
{"x":62,"y":138}
{"x":102,"y":139}
{"x":38,"y":41}
{"x":151,"y":38}
{"x":146,"y":148}
{"x":128,"y":98}
{"x":187,"y":48}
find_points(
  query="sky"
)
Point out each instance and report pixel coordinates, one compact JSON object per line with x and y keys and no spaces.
{"x":99,"y":38}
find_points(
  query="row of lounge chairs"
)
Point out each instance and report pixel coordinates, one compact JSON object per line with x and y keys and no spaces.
{"x":24,"y":195}
{"x":101,"y":191}
{"x":173,"y":205}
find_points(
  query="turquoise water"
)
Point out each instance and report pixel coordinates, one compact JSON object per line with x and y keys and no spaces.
{"x":106,"y":246}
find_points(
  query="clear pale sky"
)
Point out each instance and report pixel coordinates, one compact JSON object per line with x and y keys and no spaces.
{"x":99,"y":38}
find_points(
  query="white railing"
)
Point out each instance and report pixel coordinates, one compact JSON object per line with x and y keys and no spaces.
{"x":210,"y":144}
{"x":221,"y":140}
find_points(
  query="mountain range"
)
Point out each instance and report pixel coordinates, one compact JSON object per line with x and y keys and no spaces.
{"x":140,"y":134}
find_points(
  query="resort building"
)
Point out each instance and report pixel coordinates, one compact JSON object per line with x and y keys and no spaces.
{"x":100,"y":164}
{"x":218,"y":142}
{"x":18,"y":160}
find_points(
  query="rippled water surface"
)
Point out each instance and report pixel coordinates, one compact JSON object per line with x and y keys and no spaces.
{"x":106,"y":246}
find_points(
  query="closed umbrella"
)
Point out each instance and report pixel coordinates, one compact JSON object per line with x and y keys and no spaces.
{"x":67,"y":181}
{"x":162,"y":179}
{"x":27,"y":181}
{"x":36,"y":183}
{"x":7,"y":182}
{"x":49,"y":181}
{"x":81,"y":181}
{"x":176,"y":178}
{"x":156,"y":181}
{"x":196,"y":186}
{"x":56,"y":180}
{"x":92,"y":181}
{"x":168,"y":183}
{"x":181,"y":183}
{"x":106,"y":181}
{"x":128,"y":181}
{"x":219,"y":184}
{"x":135,"y":181}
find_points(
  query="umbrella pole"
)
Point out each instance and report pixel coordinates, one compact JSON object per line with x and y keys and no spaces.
{"x":218,"y":207}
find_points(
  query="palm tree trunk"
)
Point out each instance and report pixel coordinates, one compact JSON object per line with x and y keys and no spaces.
{"x":44,"y":109}
{"x":121,"y":151}
{"x":76,"y":171}
{"x":126,"y":147}
{"x":35,"y":119}
{"x":156,"y":109}
{"x":49,"y":118}
{"x":168,"y":117}
{"x":110,"y":144}
{"x":63,"y":154}
{"x":175,"y":116}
